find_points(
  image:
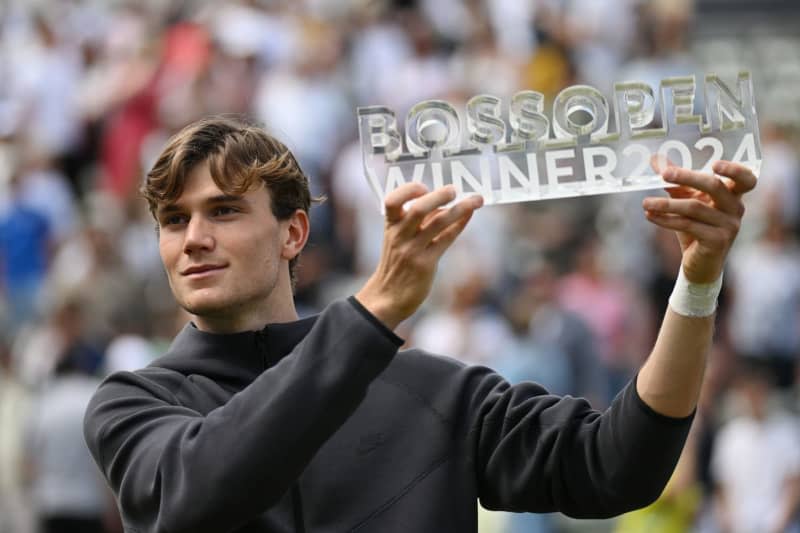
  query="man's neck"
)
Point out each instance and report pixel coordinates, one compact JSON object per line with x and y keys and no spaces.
{"x":274,"y":311}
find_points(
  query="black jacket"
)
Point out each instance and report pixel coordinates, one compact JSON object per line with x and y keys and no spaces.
{"x":320,"y":425}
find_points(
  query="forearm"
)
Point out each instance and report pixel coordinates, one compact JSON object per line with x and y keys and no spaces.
{"x":670,"y":380}
{"x":705,"y":210}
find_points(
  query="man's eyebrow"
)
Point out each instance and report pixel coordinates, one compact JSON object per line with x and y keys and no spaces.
{"x":168,"y":208}
{"x":218,"y":199}
{"x":222,"y":198}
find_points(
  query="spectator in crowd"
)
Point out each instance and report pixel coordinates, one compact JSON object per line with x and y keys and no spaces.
{"x":567,"y":335}
{"x":764,"y":317}
{"x":605,"y":303}
{"x":67,"y":491}
{"x":38,"y":350}
{"x":465,"y":325}
{"x":756,"y":460}
{"x":25,"y":239}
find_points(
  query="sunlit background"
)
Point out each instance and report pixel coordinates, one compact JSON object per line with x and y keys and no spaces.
{"x":567,"y":293}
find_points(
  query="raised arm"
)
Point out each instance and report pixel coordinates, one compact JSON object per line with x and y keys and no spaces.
{"x":705,"y":211}
{"x":543,"y":453}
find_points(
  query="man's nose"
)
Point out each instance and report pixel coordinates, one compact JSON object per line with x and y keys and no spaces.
{"x":199,"y":235}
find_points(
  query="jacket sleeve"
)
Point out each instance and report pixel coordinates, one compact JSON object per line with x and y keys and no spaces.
{"x":542,"y":453}
{"x":175,"y":470}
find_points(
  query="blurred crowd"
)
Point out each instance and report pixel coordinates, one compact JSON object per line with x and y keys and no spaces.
{"x":568,"y":293}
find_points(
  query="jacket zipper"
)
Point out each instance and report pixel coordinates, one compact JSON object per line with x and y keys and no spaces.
{"x":297,"y":501}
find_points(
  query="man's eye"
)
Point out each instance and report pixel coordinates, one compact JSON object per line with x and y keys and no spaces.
{"x":225,"y":210}
{"x":173,"y":220}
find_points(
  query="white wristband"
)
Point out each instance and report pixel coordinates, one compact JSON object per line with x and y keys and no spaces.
{"x":694,"y":299}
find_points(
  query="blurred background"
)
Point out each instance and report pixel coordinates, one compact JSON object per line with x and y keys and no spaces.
{"x":567,"y":293}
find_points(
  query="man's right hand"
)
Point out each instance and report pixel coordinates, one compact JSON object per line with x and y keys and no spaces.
{"x":413,"y":241}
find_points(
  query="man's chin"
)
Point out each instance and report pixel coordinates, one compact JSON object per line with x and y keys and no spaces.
{"x":207,"y":306}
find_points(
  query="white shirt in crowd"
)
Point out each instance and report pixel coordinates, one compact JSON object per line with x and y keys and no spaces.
{"x":752,"y":459}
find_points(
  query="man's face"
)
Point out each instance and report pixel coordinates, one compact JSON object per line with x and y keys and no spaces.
{"x":222,"y":252}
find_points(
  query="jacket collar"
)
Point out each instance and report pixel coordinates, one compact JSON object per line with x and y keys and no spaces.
{"x":238,"y":357}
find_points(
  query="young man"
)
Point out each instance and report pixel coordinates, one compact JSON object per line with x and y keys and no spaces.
{"x":256,"y":421}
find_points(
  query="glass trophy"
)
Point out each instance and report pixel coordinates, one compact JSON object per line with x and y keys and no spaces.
{"x":515,"y":152}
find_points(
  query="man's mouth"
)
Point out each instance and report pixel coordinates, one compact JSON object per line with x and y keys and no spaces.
{"x":199,"y":270}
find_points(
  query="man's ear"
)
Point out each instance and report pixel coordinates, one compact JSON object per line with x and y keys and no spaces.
{"x":295,"y":236}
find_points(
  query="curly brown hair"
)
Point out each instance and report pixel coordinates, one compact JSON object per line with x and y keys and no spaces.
{"x":239,"y":154}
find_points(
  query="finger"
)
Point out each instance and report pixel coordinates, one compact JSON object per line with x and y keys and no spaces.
{"x":743,"y":178}
{"x":432,"y":227}
{"x":424,"y":205}
{"x":659,"y":163}
{"x":445,"y":238}
{"x":395,"y":200}
{"x":712,"y":185}
{"x":699,"y":230}
{"x":690,"y":208}
{"x":683,"y":192}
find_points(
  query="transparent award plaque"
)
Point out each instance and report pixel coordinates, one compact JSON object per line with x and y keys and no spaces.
{"x":516,"y":153}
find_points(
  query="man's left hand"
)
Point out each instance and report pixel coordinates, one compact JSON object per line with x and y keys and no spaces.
{"x":705,"y":211}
